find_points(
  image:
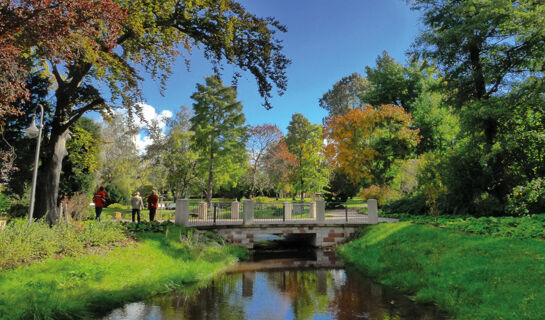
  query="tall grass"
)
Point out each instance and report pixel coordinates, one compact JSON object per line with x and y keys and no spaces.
{"x":21,"y":243}
{"x":86,"y":286}
{"x":468,"y":276}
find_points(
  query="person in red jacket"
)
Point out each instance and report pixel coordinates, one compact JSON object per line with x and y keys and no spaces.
{"x":153,"y":203}
{"x":99,"y":199}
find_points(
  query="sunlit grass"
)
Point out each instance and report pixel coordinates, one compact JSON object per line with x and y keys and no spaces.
{"x":468,"y":276}
{"x":77,"y":288}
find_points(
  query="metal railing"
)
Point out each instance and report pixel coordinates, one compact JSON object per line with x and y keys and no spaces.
{"x":269,"y":212}
{"x":200,"y":213}
{"x":348,"y":212}
{"x":248,"y":212}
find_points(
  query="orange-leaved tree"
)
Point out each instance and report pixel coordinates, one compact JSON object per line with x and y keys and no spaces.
{"x":364,"y":143}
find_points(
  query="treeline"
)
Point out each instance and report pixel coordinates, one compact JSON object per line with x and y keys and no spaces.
{"x":203,"y":151}
{"x":465,"y":132}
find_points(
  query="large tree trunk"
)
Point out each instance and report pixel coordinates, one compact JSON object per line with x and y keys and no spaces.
{"x":49,"y":176}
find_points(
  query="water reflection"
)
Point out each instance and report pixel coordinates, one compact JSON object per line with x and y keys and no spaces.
{"x":299,"y":289}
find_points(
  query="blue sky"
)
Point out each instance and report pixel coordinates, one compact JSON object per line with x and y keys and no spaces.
{"x":326,"y":40}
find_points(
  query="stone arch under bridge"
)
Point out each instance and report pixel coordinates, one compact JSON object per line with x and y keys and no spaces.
{"x":320,"y":236}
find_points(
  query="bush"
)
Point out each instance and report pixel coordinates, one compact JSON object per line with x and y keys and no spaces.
{"x":263,"y":199}
{"x":383,"y":194}
{"x":4,"y":204}
{"x":527,"y":199}
{"x":118,"y":206}
{"x":116,"y":194}
{"x":76,"y":206}
{"x":22,"y":243}
{"x":415,"y":204}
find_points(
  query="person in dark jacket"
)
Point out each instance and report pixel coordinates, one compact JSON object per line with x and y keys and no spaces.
{"x":153,"y":203}
{"x":99,"y":199}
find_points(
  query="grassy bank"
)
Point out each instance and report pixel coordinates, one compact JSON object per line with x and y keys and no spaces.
{"x":83,"y":286}
{"x":469,"y":276}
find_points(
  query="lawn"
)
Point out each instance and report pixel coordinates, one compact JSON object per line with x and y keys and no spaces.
{"x":89,"y":285}
{"x":469,"y":276}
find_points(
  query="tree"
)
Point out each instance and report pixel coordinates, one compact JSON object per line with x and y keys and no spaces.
{"x":80,"y":167}
{"x":489,"y":52}
{"x":279,"y":163}
{"x":392,"y":83}
{"x":364,"y":143}
{"x":180,"y":160}
{"x":220,"y":136}
{"x":114,"y":49}
{"x":345,"y":95}
{"x":120,"y":163}
{"x":304,"y":141}
{"x":261,"y":140}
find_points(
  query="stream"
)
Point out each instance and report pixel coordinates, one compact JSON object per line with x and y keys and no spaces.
{"x":282,"y":284}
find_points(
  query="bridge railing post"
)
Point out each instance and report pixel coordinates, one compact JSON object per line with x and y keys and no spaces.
{"x":248,"y":212}
{"x":235,"y":210}
{"x":182,"y":212}
{"x":372,"y":211}
{"x":203,"y":210}
{"x":288,"y":208}
{"x":312,"y":210}
{"x":320,"y":211}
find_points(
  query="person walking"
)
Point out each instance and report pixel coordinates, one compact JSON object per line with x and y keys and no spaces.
{"x":99,"y":199}
{"x":137,"y":204}
{"x":153,"y":203}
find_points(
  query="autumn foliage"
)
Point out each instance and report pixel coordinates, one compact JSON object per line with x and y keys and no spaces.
{"x":53,"y":29}
{"x":364,"y":142}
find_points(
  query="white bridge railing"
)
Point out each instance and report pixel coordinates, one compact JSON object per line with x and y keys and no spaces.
{"x":249,"y":212}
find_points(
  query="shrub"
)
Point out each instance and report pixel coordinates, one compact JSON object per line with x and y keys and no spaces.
{"x":383,"y":194}
{"x":263,"y":199}
{"x":22,"y":243}
{"x":527,"y":199}
{"x":415,"y":204}
{"x":116,"y":194}
{"x":4,"y":204}
{"x":76,"y":206}
{"x":118,"y":206}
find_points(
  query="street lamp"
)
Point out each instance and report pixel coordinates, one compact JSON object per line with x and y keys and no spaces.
{"x":32,"y":132}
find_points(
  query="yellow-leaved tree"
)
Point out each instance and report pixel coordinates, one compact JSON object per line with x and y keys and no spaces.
{"x":365,"y":142}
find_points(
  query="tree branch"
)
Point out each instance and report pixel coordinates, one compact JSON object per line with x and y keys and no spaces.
{"x":58,"y":77}
{"x":76,"y":114}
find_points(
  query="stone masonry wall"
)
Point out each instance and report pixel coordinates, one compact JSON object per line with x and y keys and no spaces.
{"x":326,"y":236}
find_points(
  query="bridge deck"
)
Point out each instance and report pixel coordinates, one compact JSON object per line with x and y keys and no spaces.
{"x":279,"y":222}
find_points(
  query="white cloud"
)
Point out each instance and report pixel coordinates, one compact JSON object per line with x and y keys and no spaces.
{"x":141,"y":142}
{"x":149,"y":113}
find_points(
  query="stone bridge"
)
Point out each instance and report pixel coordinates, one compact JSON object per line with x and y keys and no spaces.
{"x":316,"y":235}
{"x":314,"y":228}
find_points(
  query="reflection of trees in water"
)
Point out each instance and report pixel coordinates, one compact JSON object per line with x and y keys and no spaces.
{"x":360,"y":296}
{"x":341,"y":295}
{"x":302,"y":289}
{"x":221,"y":299}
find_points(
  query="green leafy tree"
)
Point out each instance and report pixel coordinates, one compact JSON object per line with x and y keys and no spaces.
{"x":120,"y":39}
{"x":345,"y":95}
{"x":391,"y":83}
{"x":219,"y":133}
{"x":489,"y":53}
{"x":310,"y":172}
{"x":121,"y":164}
{"x":80,"y":167}
{"x":180,"y":160}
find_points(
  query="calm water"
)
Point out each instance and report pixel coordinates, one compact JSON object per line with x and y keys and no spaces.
{"x":286,"y":285}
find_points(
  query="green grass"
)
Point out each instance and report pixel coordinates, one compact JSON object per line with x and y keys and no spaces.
{"x":468,"y":276}
{"x":526,"y":227}
{"x":85,"y":286}
{"x":126,"y":214}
